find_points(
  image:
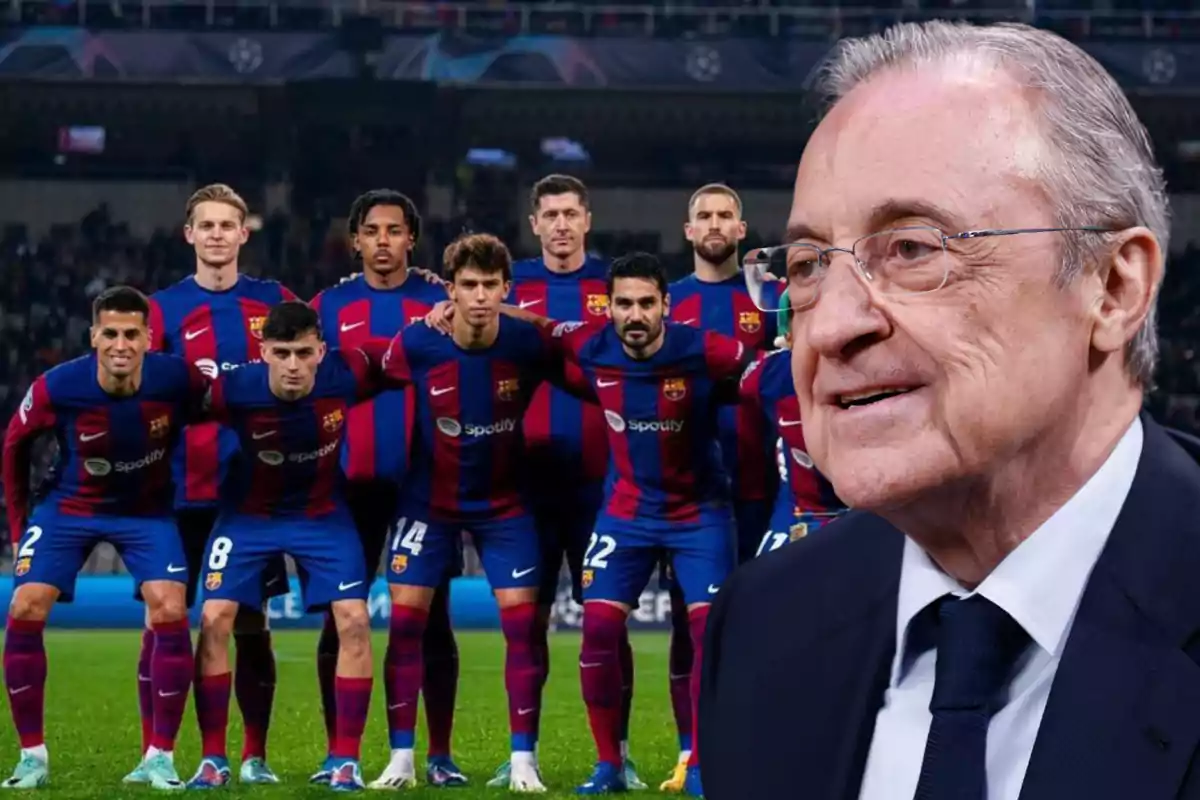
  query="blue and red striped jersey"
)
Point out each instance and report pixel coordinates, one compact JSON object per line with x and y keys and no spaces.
{"x":467,"y":455}
{"x":726,"y":307}
{"x":216,"y":331}
{"x":352,"y":314}
{"x":289,"y":463}
{"x":660,"y":414}
{"x":113,"y":452}
{"x":767,"y":391}
{"x":564,"y":436}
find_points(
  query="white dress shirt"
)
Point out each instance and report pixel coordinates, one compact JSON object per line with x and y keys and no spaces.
{"x":1040,"y":585}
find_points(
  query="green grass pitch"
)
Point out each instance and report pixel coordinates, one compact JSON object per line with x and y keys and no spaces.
{"x":93,"y":732}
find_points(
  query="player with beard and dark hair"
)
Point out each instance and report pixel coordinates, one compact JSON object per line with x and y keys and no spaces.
{"x":714,"y":297}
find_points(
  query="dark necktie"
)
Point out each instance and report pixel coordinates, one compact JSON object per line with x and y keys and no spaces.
{"x":978,"y":644}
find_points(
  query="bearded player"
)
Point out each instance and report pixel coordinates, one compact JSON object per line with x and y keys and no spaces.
{"x":376,"y":304}
{"x":115,"y":414}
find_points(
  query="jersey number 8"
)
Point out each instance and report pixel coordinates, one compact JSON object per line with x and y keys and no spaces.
{"x":218,"y":556}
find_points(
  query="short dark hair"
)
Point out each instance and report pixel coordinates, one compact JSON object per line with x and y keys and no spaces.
{"x":482,"y":251}
{"x":557,"y":184}
{"x":363,"y":204}
{"x":122,"y":299}
{"x":290,"y":320}
{"x":638,"y":265}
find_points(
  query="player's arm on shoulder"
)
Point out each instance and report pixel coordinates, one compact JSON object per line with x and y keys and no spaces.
{"x":365,"y":371}
{"x":395,"y":366}
{"x":34,"y":416}
{"x":427,"y":275}
{"x":198,"y":394}
{"x":157,"y":326}
{"x":726,"y":357}
{"x":286,"y":295}
{"x":749,"y":388}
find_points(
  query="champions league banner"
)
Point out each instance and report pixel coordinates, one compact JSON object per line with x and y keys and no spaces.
{"x":106,"y":602}
{"x":745,"y":65}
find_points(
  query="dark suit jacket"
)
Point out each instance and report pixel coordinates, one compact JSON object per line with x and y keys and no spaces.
{"x":800,"y":644}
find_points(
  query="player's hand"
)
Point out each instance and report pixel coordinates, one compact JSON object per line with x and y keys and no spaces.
{"x":428,"y":275}
{"x":441,"y":315}
{"x":349,"y":277}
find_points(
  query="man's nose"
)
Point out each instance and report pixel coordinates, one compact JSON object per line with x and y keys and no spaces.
{"x":844,"y":311}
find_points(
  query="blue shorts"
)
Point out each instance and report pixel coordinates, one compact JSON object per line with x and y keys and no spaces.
{"x":55,"y":546}
{"x":790,"y":527}
{"x":622,"y":555}
{"x":420,"y":552}
{"x":327,"y":551}
{"x":753,"y":517}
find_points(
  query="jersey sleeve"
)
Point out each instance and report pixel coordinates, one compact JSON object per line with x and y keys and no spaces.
{"x":750,"y":387}
{"x":157,"y":325}
{"x":197,"y":393}
{"x":214,"y":404}
{"x":286,"y":294}
{"x":725,"y":357}
{"x":556,"y":368}
{"x":395,"y":367}
{"x":33,"y":417}
{"x":567,"y":339}
{"x":315,"y":303}
{"x":364,"y":373}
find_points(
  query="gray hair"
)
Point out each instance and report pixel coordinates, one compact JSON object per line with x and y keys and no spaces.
{"x":1100,"y":169}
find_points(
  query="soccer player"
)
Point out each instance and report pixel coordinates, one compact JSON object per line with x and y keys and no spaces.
{"x":376,"y":304}
{"x":805,"y":501}
{"x":566,"y":450}
{"x":668,"y":493}
{"x":116,"y":414}
{"x":214,"y":320}
{"x":714,"y":297}
{"x":289,"y":415}
{"x":471,"y":389}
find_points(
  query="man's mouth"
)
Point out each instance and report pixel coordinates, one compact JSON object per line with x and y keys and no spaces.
{"x":868,"y":397}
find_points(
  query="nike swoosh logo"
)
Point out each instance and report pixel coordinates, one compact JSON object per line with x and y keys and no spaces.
{"x":161,"y":693}
{"x":397,"y":705}
{"x":691,"y":321}
{"x":606,"y":384}
{"x":187,"y":337}
{"x":352,"y":326}
{"x":528,"y":303}
{"x":440,"y":392}
{"x":262,"y":435}
{"x":20,"y":689}
{"x":344,"y":586}
{"x":521,"y":712}
{"x":591,"y":666}
{"x":789,"y":423}
{"x":87,"y":437}
{"x":713,"y":589}
{"x":171,"y":568}
{"x":522,"y":573}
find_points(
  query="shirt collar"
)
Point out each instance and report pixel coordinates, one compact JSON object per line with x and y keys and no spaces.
{"x":1041,"y":582}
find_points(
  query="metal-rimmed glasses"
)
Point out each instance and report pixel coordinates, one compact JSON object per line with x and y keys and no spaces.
{"x":908,"y":260}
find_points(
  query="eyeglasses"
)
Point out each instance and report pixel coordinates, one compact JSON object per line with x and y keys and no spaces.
{"x":899,"y":261}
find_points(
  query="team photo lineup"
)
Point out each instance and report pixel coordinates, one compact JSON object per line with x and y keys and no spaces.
{"x":550,"y":411}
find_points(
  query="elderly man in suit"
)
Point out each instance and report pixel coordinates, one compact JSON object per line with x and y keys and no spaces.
{"x":975,"y":246}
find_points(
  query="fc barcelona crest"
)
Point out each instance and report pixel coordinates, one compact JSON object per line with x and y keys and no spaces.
{"x":22,"y":567}
{"x":159,"y":427}
{"x":212,"y":581}
{"x":399,"y":563}
{"x":674,"y":388}
{"x":333,"y":420}
{"x":750,"y":321}
{"x":798,"y":531}
{"x":586,"y":579}
{"x":597,"y":304}
{"x":507,"y":388}
{"x":256,"y":326}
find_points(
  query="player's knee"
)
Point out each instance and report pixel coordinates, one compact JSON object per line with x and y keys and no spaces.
{"x":249,"y":620}
{"x":216,"y":620}
{"x":32,"y":603}
{"x":353,"y":625}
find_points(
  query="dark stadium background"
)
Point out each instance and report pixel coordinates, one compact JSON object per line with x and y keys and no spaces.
{"x":112,"y":111}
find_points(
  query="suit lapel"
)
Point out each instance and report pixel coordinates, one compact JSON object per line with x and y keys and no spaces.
{"x":1123,"y":716}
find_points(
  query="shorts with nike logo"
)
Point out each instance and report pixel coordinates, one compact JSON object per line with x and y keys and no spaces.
{"x":55,"y":546}
{"x":420,"y":550}
{"x":327,"y":551}
{"x":622,"y":555}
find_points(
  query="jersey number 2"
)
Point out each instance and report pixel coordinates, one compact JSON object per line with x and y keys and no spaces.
{"x":31,"y":536}
{"x":597,"y":557}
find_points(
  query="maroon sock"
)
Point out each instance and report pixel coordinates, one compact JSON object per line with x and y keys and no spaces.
{"x":25,"y":678}
{"x":403,"y":672}
{"x":171,"y":671}
{"x":212,"y":712}
{"x":254,"y":686}
{"x":327,"y":655}
{"x":698,"y":618}
{"x":145,"y":690}
{"x":600,"y":675}
{"x":439,"y":688}
{"x":353,"y":705}
{"x":522,"y":674}
{"x":679,"y":672}
{"x":625,"y":654}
